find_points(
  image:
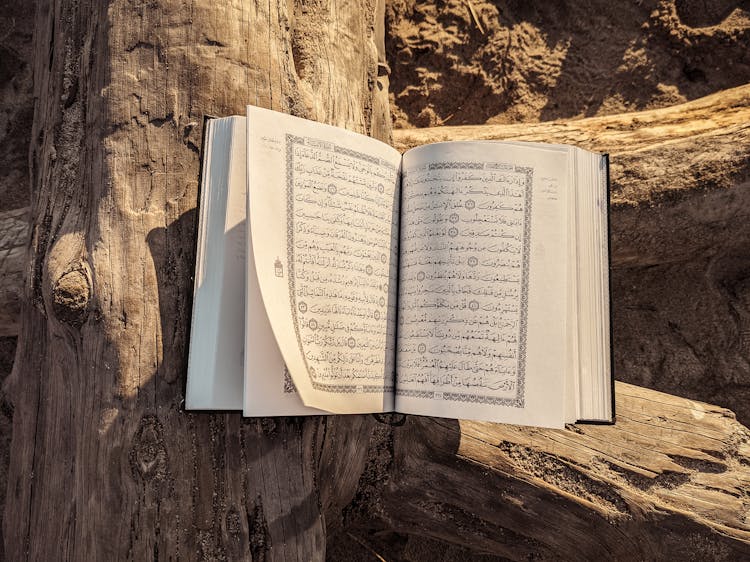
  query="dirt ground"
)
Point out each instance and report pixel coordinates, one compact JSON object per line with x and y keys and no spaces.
{"x":461,"y":62}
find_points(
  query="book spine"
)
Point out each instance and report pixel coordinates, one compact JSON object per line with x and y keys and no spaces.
{"x":609,"y":287}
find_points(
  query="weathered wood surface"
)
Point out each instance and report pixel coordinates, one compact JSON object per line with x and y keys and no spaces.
{"x":670,"y":481}
{"x":104,"y":463}
{"x":14,"y":231}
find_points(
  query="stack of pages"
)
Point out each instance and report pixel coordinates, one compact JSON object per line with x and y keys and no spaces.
{"x":460,"y":279}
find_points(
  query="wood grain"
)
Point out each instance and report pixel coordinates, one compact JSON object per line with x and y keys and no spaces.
{"x":14,"y":232}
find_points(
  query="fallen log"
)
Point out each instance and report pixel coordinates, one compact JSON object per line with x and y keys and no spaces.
{"x":671,"y":480}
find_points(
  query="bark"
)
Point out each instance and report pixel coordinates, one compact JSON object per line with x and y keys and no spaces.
{"x":105,"y":463}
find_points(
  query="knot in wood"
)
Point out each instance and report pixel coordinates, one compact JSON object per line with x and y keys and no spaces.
{"x":148,"y":456}
{"x":71,"y":294}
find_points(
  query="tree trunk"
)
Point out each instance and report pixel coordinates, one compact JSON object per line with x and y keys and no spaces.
{"x":105,"y":463}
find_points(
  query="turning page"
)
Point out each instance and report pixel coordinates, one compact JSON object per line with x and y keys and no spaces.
{"x":482,"y":283}
{"x":325,"y":254}
{"x":269,"y":390}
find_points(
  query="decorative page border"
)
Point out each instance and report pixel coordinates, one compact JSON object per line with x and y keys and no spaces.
{"x":518,"y":400}
{"x":291,"y":140}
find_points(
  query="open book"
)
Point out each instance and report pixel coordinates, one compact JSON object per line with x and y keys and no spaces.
{"x":460,"y":279}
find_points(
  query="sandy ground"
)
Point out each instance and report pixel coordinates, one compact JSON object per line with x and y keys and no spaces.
{"x":492,"y":61}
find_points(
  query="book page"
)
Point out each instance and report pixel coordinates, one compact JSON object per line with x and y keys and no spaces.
{"x":482,"y":283}
{"x":323,"y":208}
